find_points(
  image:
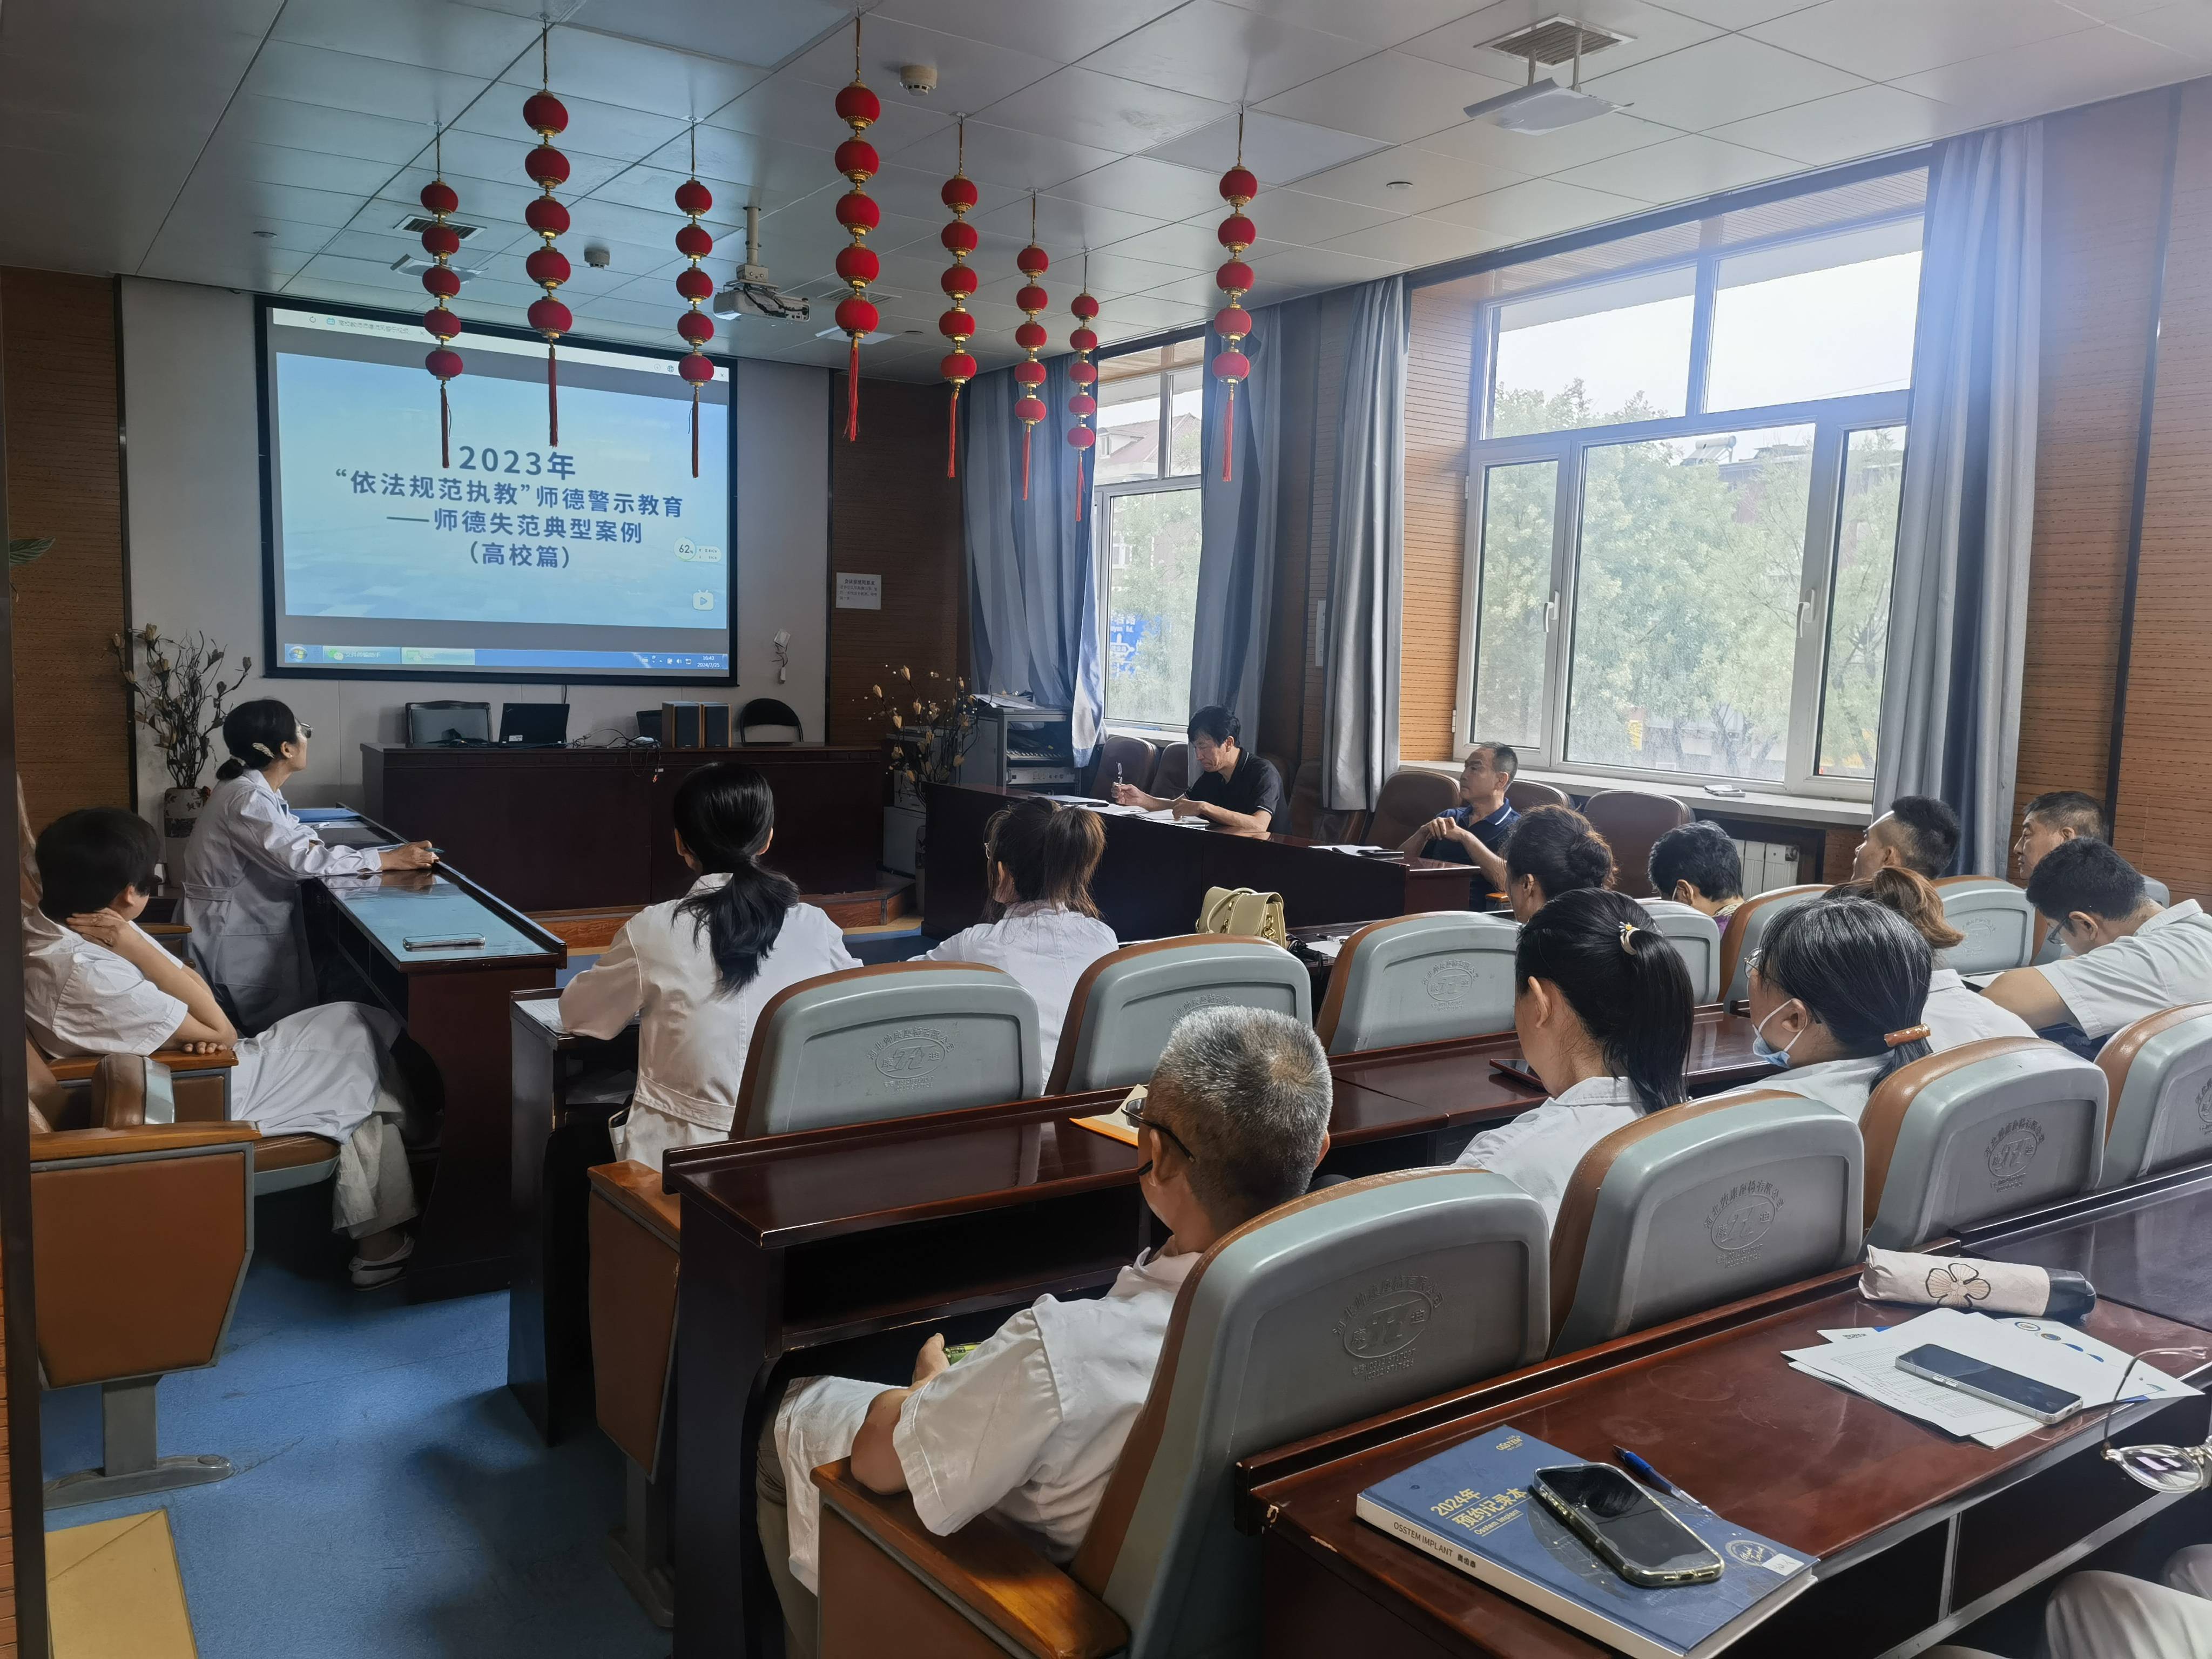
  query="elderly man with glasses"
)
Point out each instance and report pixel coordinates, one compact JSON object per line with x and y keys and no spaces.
{"x":1029,"y":1424}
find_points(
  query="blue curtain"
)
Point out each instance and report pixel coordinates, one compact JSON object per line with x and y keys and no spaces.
{"x":1236,"y":561}
{"x":1032,"y":585}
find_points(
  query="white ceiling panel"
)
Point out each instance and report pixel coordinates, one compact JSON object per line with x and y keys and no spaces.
{"x":2186,"y":27}
{"x":1064,"y":226}
{"x":1865,"y":121}
{"x":594,"y":128}
{"x":607,"y":69}
{"x":1190,"y":246}
{"x":2054,"y":74}
{"x":1534,"y":155}
{"x":498,"y":161}
{"x":1059,"y":30}
{"x":1277,"y":149}
{"x":51,"y":224}
{"x":1312,"y":267}
{"x":372,"y":86}
{"x":319,"y":127}
{"x":1679,"y":170}
{"x":1885,"y":40}
{"x":1082,"y":107}
{"x":310,"y":169}
{"x":1376,"y":23}
{"x":1429,"y":179}
{"x":1737,"y":14}
{"x":742,"y":31}
{"x":785,"y":108}
{"x":1652,"y":31}
{"x":1224,"y":53}
{"x":1728,"y":78}
{"x":429,"y":33}
{"x":1142,"y":184}
{"x":1198,"y":293}
{"x":1023,"y":160}
{"x":971,"y":73}
{"x":921,"y":195}
{"x":1299,"y":216}
{"x":1391,"y":95}
{"x":1414,"y":242}
{"x":1537,"y":208}
{"x":1137,"y":310}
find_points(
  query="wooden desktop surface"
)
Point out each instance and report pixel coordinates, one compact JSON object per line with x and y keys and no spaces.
{"x":1154,"y":877}
{"x":2148,"y":1252}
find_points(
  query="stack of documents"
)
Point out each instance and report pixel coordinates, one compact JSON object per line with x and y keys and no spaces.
{"x":1865,"y":1360}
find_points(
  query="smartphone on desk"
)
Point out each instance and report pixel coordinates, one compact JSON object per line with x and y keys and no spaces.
{"x":1629,"y":1530}
{"x":1518,"y":1069}
{"x":1993,"y":1383}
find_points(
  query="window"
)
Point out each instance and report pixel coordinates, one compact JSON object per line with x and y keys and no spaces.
{"x":1145,"y":529}
{"x":1683,"y":505}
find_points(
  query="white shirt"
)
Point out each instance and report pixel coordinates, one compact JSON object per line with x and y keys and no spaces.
{"x":80,"y":998}
{"x":1955,"y":1012}
{"x":1046,"y":948}
{"x":1028,"y":1427}
{"x":1539,"y":1150}
{"x":1842,"y":1083}
{"x":2164,"y":963}
{"x":692,"y":1039}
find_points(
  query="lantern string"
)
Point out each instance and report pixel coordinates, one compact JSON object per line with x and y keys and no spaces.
{"x":852,"y":393}
{"x":445,"y":428}
{"x":1078,"y":486}
{"x":552,"y":395}
{"x":695,"y":428}
{"x":952,"y":435}
{"x":1229,"y":432}
{"x":1026,"y":430}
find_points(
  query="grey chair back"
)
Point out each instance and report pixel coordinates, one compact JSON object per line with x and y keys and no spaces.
{"x":1698,"y":937}
{"x":2158,"y":890}
{"x":2158,"y":1072}
{"x":1702,"y":1205}
{"x":1997,"y":919}
{"x":1349,"y":1302}
{"x":1981,"y":1131}
{"x":893,"y":1041}
{"x":1124,"y":759}
{"x":1746,"y":931}
{"x":1129,"y":999}
{"x":1420,"y":978}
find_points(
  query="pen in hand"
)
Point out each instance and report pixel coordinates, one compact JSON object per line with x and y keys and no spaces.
{"x":1652,"y":1477}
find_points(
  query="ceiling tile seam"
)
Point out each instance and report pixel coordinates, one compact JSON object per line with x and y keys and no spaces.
{"x":192,"y":172}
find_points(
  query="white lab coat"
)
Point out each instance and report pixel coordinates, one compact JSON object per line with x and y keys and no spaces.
{"x":1539,"y":1150}
{"x":1843,"y":1084}
{"x":1046,"y":948}
{"x":1955,"y":1012}
{"x":691,"y":1039}
{"x":2111,"y":1615}
{"x":1028,"y":1427}
{"x":2164,"y":963}
{"x":241,"y":872}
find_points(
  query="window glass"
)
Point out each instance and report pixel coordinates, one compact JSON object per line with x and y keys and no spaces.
{"x":1831,"y":317}
{"x":1591,"y":356}
{"x":1858,"y":616}
{"x":1686,"y":611}
{"x":1128,"y":428}
{"x":1519,"y":503}
{"x":1151,"y":602}
{"x":1185,"y":417}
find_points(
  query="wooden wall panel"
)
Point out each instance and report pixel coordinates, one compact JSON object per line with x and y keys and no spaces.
{"x":65,"y":480}
{"x":894,"y":514}
{"x":1439,"y":366}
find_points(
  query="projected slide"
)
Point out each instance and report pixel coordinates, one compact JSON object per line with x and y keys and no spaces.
{"x":600,"y":557}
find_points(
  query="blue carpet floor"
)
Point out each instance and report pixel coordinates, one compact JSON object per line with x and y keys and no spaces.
{"x":392,"y":1500}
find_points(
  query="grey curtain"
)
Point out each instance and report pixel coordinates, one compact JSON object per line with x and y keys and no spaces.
{"x":1957,"y":624}
{"x":1367,"y":552}
{"x":1032,"y":580}
{"x":1236,"y":561}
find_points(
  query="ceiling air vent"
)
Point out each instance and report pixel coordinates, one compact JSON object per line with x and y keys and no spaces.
{"x":416,"y":223}
{"x":1552,"y":40}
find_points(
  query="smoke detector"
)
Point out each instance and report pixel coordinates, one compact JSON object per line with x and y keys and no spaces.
{"x":1545,"y":106}
{"x":597,"y":255}
{"x":919,"y":79}
{"x":750,"y":292}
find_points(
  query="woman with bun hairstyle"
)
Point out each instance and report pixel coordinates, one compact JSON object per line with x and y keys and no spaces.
{"x":1039,"y":923}
{"x":1553,"y":850}
{"x":242,"y":868}
{"x":1956,"y":1011}
{"x":695,"y":972}
{"x":1603,"y":1007}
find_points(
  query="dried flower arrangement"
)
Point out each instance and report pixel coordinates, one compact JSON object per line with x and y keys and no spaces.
{"x":179,"y":695}
{"x":927,"y":726}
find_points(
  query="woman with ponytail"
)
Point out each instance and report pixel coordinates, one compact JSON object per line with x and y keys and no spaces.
{"x":1602,"y":1008}
{"x":1956,"y":1011}
{"x":242,"y":870}
{"x":1039,"y":923}
{"x":696,"y":972}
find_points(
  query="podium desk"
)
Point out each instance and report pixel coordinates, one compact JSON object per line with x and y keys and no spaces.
{"x":453,"y":1002}
{"x":1153,"y":879}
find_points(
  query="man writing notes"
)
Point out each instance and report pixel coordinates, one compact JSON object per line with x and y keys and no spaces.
{"x":1235,"y":789}
{"x":1483,"y":818}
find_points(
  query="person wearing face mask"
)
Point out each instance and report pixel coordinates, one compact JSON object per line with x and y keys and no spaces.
{"x":1837,"y":997}
{"x":1028,"y":1426}
{"x":1603,"y":1007}
{"x":242,"y":868}
{"x":1955,"y":1012}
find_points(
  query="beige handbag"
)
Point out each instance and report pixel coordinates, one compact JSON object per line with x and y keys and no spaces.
{"x":1244,"y":911}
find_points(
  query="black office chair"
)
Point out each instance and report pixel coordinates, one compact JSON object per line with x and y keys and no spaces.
{"x":765,"y":719}
{"x":448,"y":722}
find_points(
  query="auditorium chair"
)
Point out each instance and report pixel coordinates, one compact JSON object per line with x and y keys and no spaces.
{"x":1337,"y":1306}
{"x":1129,"y":999}
{"x":2158,"y":1076}
{"x":1698,"y":937}
{"x":1525,"y":795}
{"x":2000,"y":925}
{"x":141,"y":1235}
{"x":1172,"y":775}
{"x":1631,"y":820}
{"x":1123,"y":759}
{"x":1981,"y":1131}
{"x":1700,"y":1206}
{"x":1312,"y":818}
{"x":1741,"y":940}
{"x":1409,"y":799}
{"x":1420,"y":978}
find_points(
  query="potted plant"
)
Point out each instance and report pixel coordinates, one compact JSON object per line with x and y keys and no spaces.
{"x":178,"y":695}
{"x":927,"y":729}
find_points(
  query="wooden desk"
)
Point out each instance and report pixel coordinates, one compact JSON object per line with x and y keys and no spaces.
{"x":454,"y":1005}
{"x":2144,"y":1246}
{"x":1915,"y":1530}
{"x":1153,"y":879}
{"x":580,"y":828}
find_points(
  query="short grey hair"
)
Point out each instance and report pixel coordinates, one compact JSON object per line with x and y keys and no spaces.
{"x":1250,"y":1094}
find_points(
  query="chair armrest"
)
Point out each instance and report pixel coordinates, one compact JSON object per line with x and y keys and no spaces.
{"x":64,"y":1144}
{"x":985,"y":1569}
{"x":634,"y":1189}
{"x":79,"y":1068}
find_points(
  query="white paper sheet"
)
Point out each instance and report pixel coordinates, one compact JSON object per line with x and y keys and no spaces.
{"x":546,"y":1011}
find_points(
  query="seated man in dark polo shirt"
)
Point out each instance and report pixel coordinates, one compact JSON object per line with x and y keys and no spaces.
{"x":1235,"y":789}
{"x":1484,"y":818}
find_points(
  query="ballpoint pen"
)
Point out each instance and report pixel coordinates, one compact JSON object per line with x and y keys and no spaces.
{"x":1652,"y":1477}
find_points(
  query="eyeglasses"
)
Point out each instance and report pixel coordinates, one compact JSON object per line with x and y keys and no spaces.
{"x":2175,"y":1470}
{"x":1133,"y":1110}
{"x":306,"y":730}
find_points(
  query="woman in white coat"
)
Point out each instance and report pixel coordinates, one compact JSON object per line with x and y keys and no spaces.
{"x":1040,"y":924}
{"x":1956,"y":1011}
{"x":696,"y":972}
{"x":1603,"y":1007}
{"x":242,"y":868}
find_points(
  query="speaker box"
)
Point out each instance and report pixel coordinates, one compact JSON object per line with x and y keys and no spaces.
{"x":717,"y":725}
{"x":648,"y":725}
{"x":679,"y":726}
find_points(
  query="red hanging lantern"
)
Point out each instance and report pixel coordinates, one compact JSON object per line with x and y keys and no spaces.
{"x":1232,"y":322}
{"x":1084,"y":375}
{"x":858,"y":108}
{"x":696,"y":287}
{"x":545,"y":115}
{"x":441,"y":241}
{"x":1031,"y":337}
{"x":957,"y":325}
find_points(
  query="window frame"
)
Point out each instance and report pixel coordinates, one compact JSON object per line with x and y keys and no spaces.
{"x":1833,"y":420}
{"x":1101,"y":509}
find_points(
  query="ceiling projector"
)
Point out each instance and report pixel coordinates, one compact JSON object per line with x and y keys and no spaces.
{"x":1542,"y":105}
{"x":750,"y":293}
